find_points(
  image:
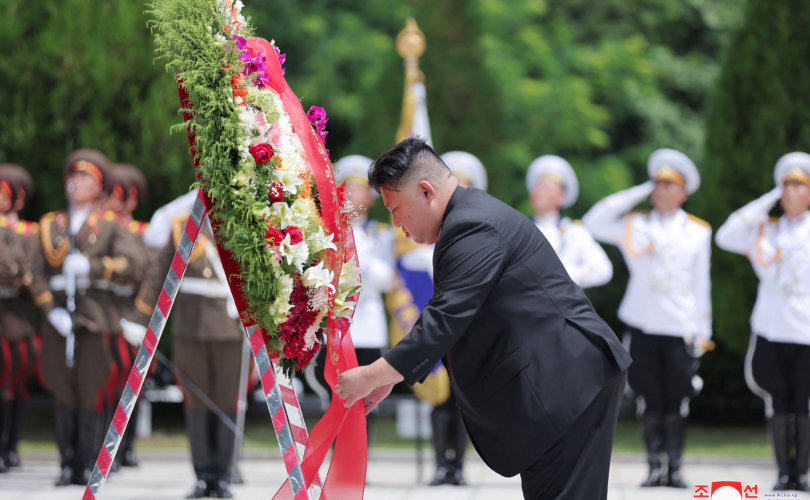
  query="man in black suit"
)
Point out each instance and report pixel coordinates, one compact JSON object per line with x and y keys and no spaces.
{"x":537,"y":373}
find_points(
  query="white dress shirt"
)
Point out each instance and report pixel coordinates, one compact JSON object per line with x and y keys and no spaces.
{"x":375,"y":251}
{"x":669,"y":291}
{"x":779,"y":251}
{"x":583,"y":258}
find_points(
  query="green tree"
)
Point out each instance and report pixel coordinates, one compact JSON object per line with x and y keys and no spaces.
{"x":758,"y":111}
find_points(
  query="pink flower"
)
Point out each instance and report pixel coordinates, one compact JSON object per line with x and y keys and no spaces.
{"x":260,"y":122}
{"x":295,"y":235}
{"x":262,"y":152}
{"x":276,"y":191}
{"x":317,"y":116}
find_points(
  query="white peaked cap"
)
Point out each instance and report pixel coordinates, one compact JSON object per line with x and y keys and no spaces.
{"x":559,"y":168}
{"x":677,"y":161}
{"x":787,"y":163}
{"x":467,"y":165}
{"x":354,"y":167}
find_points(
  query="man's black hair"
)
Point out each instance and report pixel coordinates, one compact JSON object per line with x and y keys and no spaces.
{"x":395,"y":167}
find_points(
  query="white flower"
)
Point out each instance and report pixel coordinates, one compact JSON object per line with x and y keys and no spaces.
{"x":311,"y":335}
{"x":296,"y":255}
{"x":291,"y":180}
{"x":320,"y":241}
{"x":318,"y":276}
{"x":283,"y":216}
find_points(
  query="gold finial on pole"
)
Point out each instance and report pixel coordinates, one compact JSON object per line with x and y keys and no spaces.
{"x":411,"y":45}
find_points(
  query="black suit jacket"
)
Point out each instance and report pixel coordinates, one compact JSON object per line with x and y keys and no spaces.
{"x":524,"y":348}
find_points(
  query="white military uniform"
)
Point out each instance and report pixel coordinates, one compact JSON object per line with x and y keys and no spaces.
{"x":583,"y":258}
{"x":375,"y":251}
{"x":777,"y":366}
{"x":666,"y":302}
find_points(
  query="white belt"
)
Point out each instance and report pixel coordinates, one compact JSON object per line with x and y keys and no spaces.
{"x":8,"y":292}
{"x":58,"y":283}
{"x":204,"y":287}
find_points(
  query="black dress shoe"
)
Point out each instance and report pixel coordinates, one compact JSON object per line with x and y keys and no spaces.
{"x":674,"y":480}
{"x":782,"y":483}
{"x":201,"y":490}
{"x":13,"y":459}
{"x":3,"y":465}
{"x":654,"y":478}
{"x":456,"y":478}
{"x":80,"y":478}
{"x":220,"y":490}
{"x":64,"y":477}
{"x":442,"y":476}
{"x":129,"y":459}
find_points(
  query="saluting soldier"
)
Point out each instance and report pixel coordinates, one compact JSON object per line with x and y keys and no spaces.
{"x":778,"y":360}
{"x":667,"y":304}
{"x":128,"y":187}
{"x":17,"y":314}
{"x":207,"y":350}
{"x":84,"y":252}
{"x":553,"y":186}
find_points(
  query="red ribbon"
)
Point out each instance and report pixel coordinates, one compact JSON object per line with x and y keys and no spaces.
{"x":346,"y":427}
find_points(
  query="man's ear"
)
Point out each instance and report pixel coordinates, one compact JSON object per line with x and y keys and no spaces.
{"x":427,"y":191}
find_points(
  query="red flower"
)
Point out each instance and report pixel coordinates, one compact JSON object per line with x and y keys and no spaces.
{"x":262,"y":152}
{"x":273,"y":236}
{"x":275,"y":191}
{"x":341,"y":194}
{"x":295,"y":235}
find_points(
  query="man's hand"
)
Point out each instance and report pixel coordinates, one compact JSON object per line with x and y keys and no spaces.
{"x":374,"y":381}
{"x":59,"y":318}
{"x":377,"y":395}
{"x":354,"y":385}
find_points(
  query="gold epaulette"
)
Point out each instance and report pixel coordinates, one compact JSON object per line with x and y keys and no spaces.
{"x":773,"y":219}
{"x":640,"y":212}
{"x":3,"y":221}
{"x":26,"y":227}
{"x":53,"y":254}
{"x":178,"y":223}
{"x":108,"y":215}
{"x":137,"y":227}
{"x":577,"y":221}
{"x":699,"y":220}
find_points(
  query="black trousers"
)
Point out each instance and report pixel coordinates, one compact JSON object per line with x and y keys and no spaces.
{"x":576,"y":467}
{"x":783,"y":370}
{"x":661,"y":371}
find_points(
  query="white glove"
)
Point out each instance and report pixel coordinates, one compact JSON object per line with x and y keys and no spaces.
{"x":76,"y":264}
{"x":133,"y":332}
{"x":60,"y":319}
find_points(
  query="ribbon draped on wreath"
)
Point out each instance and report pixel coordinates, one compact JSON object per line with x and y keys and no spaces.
{"x":344,"y":426}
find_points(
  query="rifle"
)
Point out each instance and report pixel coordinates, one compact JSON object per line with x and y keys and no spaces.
{"x":70,"y":292}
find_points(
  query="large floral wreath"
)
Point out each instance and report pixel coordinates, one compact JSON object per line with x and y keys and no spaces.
{"x":267,"y":210}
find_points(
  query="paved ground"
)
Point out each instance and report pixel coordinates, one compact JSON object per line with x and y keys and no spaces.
{"x":391,"y":476}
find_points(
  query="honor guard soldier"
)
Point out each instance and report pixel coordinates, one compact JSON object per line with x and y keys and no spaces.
{"x":778,"y":360}
{"x":667,"y":304}
{"x":17,"y":318}
{"x":552,"y":186}
{"x":129,"y":186}
{"x":374,"y":242}
{"x":207,"y":346}
{"x":84,"y":252}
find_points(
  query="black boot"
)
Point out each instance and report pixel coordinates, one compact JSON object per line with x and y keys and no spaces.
{"x":200,"y":441}
{"x":66,"y":442}
{"x":440,"y":423}
{"x":224,"y":440}
{"x":781,"y":448}
{"x":14,"y":432}
{"x":459,"y":433}
{"x":89,"y":440}
{"x":652,"y":432}
{"x":5,"y":408}
{"x":126,"y":455}
{"x":802,"y":451}
{"x":675,"y":434}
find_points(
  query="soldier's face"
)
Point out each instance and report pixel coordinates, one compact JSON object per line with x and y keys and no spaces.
{"x":414,"y":208}
{"x":360,"y":196}
{"x":81,"y":187}
{"x":795,"y":198}
{"x":668,"y":196}
{"x":547,"y":196}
